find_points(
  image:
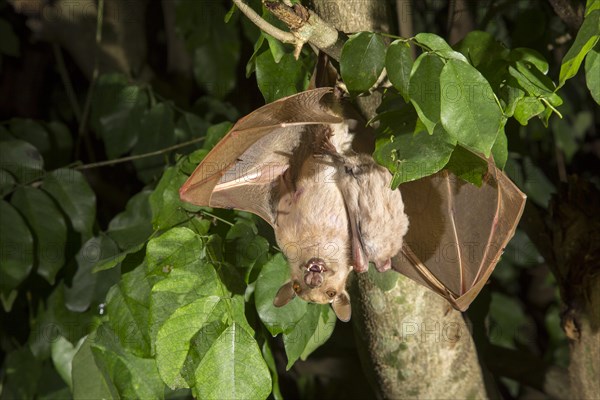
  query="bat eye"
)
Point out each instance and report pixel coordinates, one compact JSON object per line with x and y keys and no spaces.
{"x":297,"y":287}
{"x":331,"y":293}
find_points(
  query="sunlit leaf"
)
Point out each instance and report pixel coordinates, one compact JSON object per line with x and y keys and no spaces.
{"x":236,"y":368}
{"x":398,"y":64}
{"x":592,"y":72}
{"x":586,"y":39}
{"x":277,"y":320}
{"x":425,"y":89}
{"x":469,"y":110}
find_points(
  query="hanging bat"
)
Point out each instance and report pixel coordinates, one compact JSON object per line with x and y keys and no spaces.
{"x":292,"y":163}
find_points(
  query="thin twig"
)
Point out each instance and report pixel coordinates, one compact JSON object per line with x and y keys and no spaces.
{"x":88,"y":100}
{"x":64,"y":75}
{"x":138,"y":156}
{"x":282,"y":36}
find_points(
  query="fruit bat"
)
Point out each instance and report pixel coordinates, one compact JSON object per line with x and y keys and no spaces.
{"x":293,"y":163}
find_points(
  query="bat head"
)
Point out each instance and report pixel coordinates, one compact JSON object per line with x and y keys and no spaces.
{"x":317,"y":281}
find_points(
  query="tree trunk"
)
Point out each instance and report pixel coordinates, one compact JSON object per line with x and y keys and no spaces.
{"x":412,"y":344}
{"x":568,"y":237}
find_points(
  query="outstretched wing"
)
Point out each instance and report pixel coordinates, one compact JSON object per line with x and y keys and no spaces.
{"x":458,"y":232}
{"x":242,"y":170}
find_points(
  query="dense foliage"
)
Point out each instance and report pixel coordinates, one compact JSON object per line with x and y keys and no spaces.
{"x":112,"y":287}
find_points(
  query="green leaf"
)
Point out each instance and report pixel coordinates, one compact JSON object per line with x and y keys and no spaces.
{"x":215,"y":61}
{"x":322,"y":332}
{"x":133,"y":377}
{"x":7,"y":182}
{"x":48,"y":227}
{"x":167,"y":209}
{"x":16,"y":248}
{"x":531,"y":56}
{"x":54,"y":320}
{"x":111,"y":261}
{"x":536,"y":83}
{"x":190,"y":126}
{"x":277,"y":80}
{"x":469,"y":111}
{"x":592,"y":72}
{"x":87,"y":286}
{"x":215,"y":133}
{"x":117,"y":110}
{"x":438,"y":45}
{"x":425,"y":89}
{"x":270,"y":360}
{"x":22,"y":160}
{"x":510,"y":94}
{"x":245,"y":247}
{"x":63,"y":353}
{"x":586,"y":39}
{"x":467,"y":165}
{"x":277,"y":319}
{"x":174,"y":337}
{"x":9,"y":41}
{"x":236,"y":368}
{"x":362,"y":60}
{"x":22,"y":374}
{"x":132,"y":226}
{"x":182,"y":275}
{"x":157,"y":133}
{"x":53,"y":140}
{"x":527,"y":108}
{"x":74,"y":196}
{"x":398,"y":64}
{"x":128,"y":305}
{"x":481,"y":48}
{"x":89,"y":381}
{"x":33,"y":132}
{"x":500,"y":149}
{"x":414,"y":156}
{"x":591,"y":5}
{"x":258,"y":48}
{"x":178,"y":246}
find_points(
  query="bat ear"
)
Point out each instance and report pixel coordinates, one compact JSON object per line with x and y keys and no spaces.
{"x":341,"y":306}
{"x":284,"y":294}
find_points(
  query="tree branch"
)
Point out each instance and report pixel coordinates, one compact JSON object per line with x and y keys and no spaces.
{"x":570,"y":15}
{"x":305,"y":27}
{"x":282,"y":36}
{"x":139,"y":156}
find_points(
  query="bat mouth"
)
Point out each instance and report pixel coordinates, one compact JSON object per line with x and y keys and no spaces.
{"x":315,"y":265}
{"x":313,"y":276}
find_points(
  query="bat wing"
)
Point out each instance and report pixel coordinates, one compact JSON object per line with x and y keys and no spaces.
{"x":457,"y":232}
{"x":242,"y":170}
